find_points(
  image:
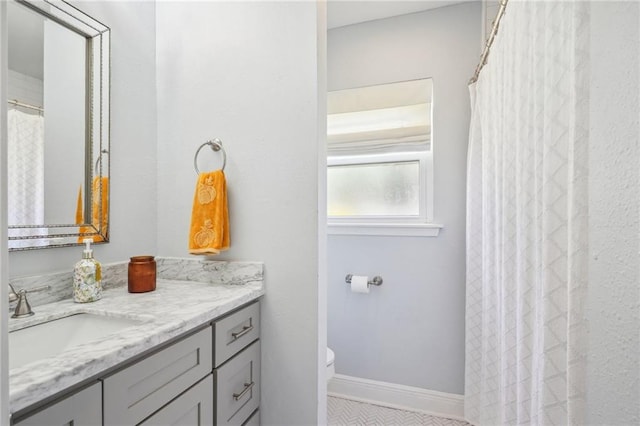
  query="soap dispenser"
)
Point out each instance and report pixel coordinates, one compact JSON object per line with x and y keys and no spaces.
{"x":87,"y":277}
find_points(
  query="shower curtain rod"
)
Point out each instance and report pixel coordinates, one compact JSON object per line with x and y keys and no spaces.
{"x":25,"y":105}
{"x":487,"y":46}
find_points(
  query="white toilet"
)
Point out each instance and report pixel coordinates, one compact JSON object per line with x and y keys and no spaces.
{"x":331,"y":358}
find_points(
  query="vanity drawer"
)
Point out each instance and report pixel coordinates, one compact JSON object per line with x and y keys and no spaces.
{"x":236,"y":331}
{"x":238,"y":387}
{"x":136,"y":392}
{"x":83,"y":408}
{"x":192,"y":408}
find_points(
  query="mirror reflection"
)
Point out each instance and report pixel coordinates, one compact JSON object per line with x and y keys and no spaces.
{"x":57,"y":126}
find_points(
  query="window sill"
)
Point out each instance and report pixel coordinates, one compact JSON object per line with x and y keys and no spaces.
{"x":385,"y":229}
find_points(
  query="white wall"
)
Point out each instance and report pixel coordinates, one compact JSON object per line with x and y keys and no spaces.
{"x":322,"y":211}
{"x":410,"y":330}
{"x":246,"y":72}
{"x":613,"y":373}
{"x":4,"y":274}
{"x":133,"y":221}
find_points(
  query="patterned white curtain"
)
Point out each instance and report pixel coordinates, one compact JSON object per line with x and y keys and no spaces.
{"x":25,"y":168}
{"x":527,"y":220}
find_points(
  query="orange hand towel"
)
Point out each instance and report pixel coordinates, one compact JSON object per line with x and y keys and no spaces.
{"x":209,"y":233}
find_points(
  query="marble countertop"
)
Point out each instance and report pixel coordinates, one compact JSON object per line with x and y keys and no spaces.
{"x":174,"y":308}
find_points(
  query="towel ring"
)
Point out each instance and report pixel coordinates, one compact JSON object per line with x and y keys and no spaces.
{"x":99,"y":160}
{"x":215,"y":145}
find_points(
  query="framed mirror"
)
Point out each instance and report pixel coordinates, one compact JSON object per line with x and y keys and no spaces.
{"x":58,"y":125}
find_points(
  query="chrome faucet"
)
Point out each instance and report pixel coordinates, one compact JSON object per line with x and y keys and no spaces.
{"x":23,"y":308}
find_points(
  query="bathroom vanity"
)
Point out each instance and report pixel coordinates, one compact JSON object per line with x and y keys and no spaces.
{"x":187,"y":354}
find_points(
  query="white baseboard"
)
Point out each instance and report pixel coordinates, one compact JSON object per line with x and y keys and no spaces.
{"x":435,"y":403}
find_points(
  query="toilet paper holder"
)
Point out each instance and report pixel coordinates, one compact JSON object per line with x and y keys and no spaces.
{"x":377,"y":280}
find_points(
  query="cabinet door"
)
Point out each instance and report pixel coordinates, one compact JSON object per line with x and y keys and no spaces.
{"x":192,"y":408}
{"x":238,"y":387}
{"x":80,"y":409}
{"x":133,"y":394}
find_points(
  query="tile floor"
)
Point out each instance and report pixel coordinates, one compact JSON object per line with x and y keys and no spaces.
{"x":343,"y":412}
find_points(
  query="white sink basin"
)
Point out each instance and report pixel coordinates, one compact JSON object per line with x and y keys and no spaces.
{"x":48,"y":339}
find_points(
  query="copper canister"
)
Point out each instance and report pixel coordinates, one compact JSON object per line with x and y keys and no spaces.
{"x":142,"y":274}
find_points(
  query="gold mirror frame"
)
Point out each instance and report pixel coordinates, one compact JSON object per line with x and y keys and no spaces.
{"x":96,"y":180}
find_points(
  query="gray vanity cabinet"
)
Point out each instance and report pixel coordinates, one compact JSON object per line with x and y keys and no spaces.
{"x":83,"y":408}
{"x":211,"y":376}
{"x":138,"y":391}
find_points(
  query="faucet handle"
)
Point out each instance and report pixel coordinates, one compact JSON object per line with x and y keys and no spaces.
{"x":23,"y":308}
{"x":13,"y":296}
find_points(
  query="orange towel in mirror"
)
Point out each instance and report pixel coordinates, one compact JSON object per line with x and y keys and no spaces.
{"x":100,"y":207}
{"x":79,"y":209}
{"x":209,"y":232}
{"x":80,"y":217}
{"x":99,"y":210}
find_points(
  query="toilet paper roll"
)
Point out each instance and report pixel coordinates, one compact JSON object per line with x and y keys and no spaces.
{"x":359,"y":284}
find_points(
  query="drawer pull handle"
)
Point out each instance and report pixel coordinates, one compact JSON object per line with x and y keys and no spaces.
{"x":239,"y":334}
{"x":247,"y":388}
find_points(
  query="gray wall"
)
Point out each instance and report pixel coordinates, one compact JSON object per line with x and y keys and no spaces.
{"x":246,"y":72}
{"x":613,"y":370}
{"x":410,"y":331}
{"x":133,"y":216}
{"x":64,"y":64}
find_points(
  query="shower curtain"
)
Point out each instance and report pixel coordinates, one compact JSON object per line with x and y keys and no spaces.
{"x":527,"y":220}
{"x":25,"y":169}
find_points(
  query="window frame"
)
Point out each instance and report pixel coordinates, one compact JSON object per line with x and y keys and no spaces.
{"x":419,"y":225}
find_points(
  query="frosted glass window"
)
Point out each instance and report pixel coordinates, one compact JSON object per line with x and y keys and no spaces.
{"x":378,"y":189}
{"x":380,"y":159}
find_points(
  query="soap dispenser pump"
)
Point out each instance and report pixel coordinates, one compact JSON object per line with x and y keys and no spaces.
{"x":87,"y":277}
